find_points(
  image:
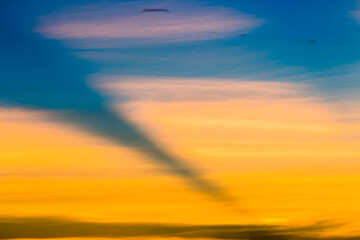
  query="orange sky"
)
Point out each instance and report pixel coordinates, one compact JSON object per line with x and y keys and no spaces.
{"x":285,"y":156}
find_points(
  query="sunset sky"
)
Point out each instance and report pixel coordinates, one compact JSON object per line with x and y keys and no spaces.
{"x":180,"y":119}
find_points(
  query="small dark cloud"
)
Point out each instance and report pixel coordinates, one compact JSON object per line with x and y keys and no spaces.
{"x":154,"y":10}
{"x":306,"y":40}
{"x":27,"y":227}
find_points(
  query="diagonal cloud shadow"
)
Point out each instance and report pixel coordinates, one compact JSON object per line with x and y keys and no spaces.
{"x":40,"y":74}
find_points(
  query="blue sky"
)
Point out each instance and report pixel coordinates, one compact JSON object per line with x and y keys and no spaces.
{"x":51,"y":48}
{"x":292,"y":39}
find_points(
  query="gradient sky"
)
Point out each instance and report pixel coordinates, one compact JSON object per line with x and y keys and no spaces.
{"x":180,"y":119}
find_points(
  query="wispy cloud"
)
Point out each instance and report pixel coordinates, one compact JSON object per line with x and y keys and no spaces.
{"x":169,"y":89}
{"x":114,"y":24}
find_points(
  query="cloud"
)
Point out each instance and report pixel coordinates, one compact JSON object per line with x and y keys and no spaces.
{"x":28,"y":227}
{"x":145,"y":22}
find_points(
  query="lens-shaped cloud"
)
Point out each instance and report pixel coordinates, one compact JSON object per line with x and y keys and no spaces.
{"x":147,"y":22}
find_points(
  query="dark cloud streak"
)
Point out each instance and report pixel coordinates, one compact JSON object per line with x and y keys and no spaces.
{"x":12,"y":228}
{"x":154,"y":10}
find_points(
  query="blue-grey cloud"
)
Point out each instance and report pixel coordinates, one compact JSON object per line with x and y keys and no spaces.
{"x":356,"y":13}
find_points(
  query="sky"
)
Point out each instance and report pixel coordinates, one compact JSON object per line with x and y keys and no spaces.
{"x":179,"y":119}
